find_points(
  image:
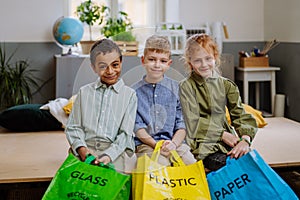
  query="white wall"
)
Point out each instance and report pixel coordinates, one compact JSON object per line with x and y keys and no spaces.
{"x":172,"y":7}
{"x":29,"y":20}
{"x":256,"y":20}
{"x":244,"y":19}
{"x":282,"y":20}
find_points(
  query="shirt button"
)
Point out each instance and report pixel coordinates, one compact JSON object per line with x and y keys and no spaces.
{"x":155,"y":95}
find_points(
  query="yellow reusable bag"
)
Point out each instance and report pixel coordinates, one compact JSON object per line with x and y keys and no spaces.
{"x":150,"y":180}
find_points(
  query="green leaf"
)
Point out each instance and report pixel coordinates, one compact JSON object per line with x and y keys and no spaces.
{"x":16,"y":80}
{"x":115,"y":26}
{"x":90,"y":13}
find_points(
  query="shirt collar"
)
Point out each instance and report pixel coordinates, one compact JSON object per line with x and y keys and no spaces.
{"x":200,"y":80}
{"x":162,"y":82}
{"x":116,"y":87}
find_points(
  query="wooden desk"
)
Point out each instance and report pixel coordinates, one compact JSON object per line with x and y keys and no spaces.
{"x":36,"y":156}
{"x":278,"y":142}
{"x":257,"y":74}
{"x":32,"y":156}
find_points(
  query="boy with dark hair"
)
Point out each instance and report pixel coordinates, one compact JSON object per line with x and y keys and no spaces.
{"x":103,"y":114}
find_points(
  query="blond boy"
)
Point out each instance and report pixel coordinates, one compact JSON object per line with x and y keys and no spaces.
{"x":159,"y":115}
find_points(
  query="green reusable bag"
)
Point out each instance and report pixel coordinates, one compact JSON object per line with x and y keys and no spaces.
{"x":81,"y":180}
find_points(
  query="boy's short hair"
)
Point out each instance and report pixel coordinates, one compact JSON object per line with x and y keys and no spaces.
{"x":159,"y":44}
{"x":103,"y":46}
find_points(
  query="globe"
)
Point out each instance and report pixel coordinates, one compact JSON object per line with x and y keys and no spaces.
{"x":67,"y":31}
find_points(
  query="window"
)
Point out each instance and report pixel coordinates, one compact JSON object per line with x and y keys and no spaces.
{"x":144,"y":14}
{"x":95,"y":28}
{"x":135,"y":10}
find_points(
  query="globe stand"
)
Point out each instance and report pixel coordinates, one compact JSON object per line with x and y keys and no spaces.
{"x":70,"y":53}
{"x":67,"y":49}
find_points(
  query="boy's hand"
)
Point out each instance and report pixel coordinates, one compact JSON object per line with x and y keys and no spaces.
{"x":167,"y":146}
{"x":104,"y":159}
{"x":82,"y":151}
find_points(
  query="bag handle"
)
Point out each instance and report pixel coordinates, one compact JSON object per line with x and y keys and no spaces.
{"x":176,"y":159}
{"x":156,"y":150}
{"x":91,"y":158}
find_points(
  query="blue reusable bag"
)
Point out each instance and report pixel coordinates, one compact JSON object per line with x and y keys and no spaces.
{"x":248,"y":177}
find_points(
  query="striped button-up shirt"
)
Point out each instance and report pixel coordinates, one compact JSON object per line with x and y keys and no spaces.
{"x":103,"y":114}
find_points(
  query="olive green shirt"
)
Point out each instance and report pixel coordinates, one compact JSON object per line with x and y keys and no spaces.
{"x":204,"y":104}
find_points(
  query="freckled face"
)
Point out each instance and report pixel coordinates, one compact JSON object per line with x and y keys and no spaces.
{"x":156,"y":64}
{"x":108,"y":67}
{"x":202,"y":62}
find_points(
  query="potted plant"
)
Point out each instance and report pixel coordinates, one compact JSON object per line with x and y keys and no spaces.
{"x":16,"y":80}
{"x":115,"y":25}
{"x":120,"y":30}
{"x":89,"y":13}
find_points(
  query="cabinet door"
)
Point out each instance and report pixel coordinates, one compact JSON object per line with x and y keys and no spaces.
{"x":71,"y":74}
{"x":227,"y":66}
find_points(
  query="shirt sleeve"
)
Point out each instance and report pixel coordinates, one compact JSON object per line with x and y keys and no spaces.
{"x":139,"y":122}
{"x":190,"y":111}
{"x":125,"y":137}
{"x":179,"y":122}
{"x":243,"y":122}
{"x":74,"y":130}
